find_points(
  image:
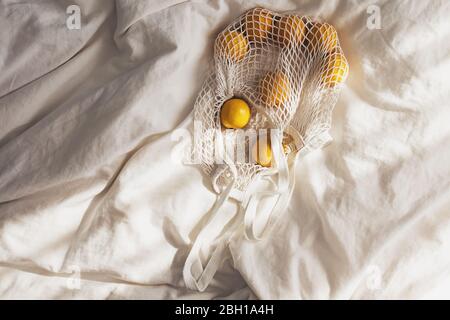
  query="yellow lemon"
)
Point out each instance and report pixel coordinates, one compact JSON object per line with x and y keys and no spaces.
{"x":232,"y":45}
{"x":259,"y":24}
{"x":336,"y":69}
{"x":262,"y":152}
{"x":291,"y":29}
{"x":274,"y":89}
{"x":235,"y":114}
{"x":328,"y":36}
{"x":321,"y":36}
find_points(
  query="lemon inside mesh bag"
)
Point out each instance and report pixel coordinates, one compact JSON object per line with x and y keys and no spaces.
{"x":289,"y":70}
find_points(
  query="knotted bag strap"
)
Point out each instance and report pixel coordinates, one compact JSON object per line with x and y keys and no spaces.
{"x":195,"y":276}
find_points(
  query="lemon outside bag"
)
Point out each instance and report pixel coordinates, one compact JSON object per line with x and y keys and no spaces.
{"x":289,"y":69}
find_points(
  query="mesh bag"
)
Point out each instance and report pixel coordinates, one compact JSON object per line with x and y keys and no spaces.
{"x":289,"y":70}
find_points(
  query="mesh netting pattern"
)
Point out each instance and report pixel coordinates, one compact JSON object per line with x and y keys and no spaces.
{"x":289,"y":68}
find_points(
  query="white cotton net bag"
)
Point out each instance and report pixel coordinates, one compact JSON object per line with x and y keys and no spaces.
{"x":269,"y":95}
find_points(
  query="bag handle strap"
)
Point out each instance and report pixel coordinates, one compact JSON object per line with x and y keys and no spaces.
{"x":195,"y":276}
{"x":284,"y":188}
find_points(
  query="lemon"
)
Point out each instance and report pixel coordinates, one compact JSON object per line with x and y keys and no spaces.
{"x":274,"y":88}
{"x":235,"y":114}
{"x":336,"y":69}
{"x":328,"y":36}
{"x":259,"y":24}
{"x":291,"y":28}
{"x":321,"y":36}
{"x":232,"y":45}
{"x":262,"y":152}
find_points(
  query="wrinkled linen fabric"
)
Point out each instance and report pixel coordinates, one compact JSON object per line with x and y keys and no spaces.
{"x":93,"y":204}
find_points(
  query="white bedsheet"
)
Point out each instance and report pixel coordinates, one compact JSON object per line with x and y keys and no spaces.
{"x":87,"y":185}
